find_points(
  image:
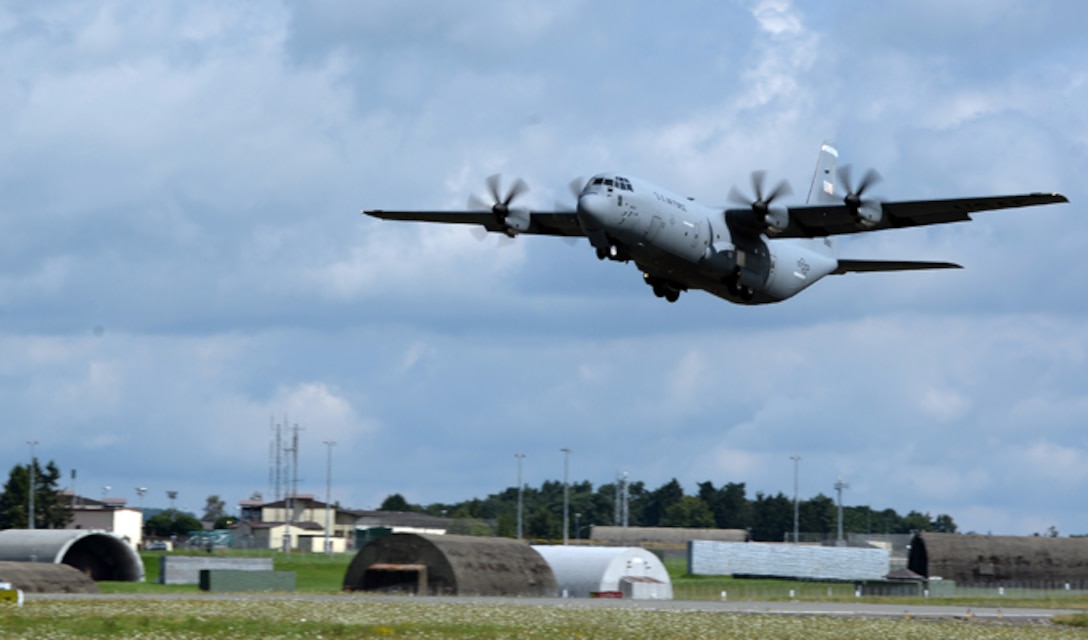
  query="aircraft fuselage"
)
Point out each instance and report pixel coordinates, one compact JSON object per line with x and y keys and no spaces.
{"x":680,"y":244}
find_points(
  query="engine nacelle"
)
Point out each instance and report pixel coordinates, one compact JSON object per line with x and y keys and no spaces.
{"x":869,"y":215}
{"x":776,"y":220}
{"x":518,"y":220}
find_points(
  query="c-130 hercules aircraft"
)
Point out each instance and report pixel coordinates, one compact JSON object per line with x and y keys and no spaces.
{"x":757,"y":253}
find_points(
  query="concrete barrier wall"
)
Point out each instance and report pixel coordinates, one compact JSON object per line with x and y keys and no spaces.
{"x":230,"y":580}
{"x":186,"y":569}
{"x":786,"y":561}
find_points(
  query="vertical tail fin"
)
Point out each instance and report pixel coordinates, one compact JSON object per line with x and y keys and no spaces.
{"x":822,"y":189}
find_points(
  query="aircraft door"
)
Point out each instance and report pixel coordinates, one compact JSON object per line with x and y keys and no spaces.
{"x":697,"y":235}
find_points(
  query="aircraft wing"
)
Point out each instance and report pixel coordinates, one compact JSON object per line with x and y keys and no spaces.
{"x":548,"y":223}
{"x":865,"y":266}
{"x":816,"y":221}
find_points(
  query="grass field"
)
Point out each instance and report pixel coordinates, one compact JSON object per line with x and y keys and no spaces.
{"x":320,"y":574}
{"x":362,"y":617}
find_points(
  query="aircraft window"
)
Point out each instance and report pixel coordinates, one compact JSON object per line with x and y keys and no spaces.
{"x":608,"y":182}
{"x":598,"y":181}
{"x":623,"y":183}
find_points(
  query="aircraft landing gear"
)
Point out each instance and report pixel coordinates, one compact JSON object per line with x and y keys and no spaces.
{"x":662,"y":289}
{"x":737,"y":289}
{"x":612,"y":252}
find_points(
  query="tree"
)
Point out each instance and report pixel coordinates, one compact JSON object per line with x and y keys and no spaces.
{"x":944,"y":524}
{"x":50,"y":510}
{"x":397,"y":502}
{"x":818,"y":515}
{"x":689,"y":511}
{"x":772,"y":517}
{"x":659,"y":501}
{"x":214,"y":509}
{"x":171,"y":523}
{"x":224,"y":522}
{"x":915,"y":521}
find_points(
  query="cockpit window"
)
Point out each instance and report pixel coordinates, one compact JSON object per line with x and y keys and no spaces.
{"x":623,"y":183}
{"x":598,"y":181}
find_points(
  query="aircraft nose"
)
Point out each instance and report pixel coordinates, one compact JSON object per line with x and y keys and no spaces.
{"x":593,"y":208}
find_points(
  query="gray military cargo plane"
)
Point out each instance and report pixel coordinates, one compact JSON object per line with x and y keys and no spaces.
{"x":756,"y":253}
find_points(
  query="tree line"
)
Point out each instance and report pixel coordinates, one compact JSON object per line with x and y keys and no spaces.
{"x":51,"y":510}
{"x":768,"y":518}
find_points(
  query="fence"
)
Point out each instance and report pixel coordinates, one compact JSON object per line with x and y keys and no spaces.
{"x":762,"y":590}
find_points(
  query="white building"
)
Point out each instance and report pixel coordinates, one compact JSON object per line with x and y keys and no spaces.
{"x":581,"y":572}
{"x":108,"y":514}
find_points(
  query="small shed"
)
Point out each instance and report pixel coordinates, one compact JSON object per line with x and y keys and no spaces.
{"x":1000,"y":560}
{"x":97,"y":554}
{"x":581,"y":572}
{"x":450,"y":565}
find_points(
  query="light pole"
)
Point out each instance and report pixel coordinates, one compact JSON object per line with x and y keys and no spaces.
{"x":328,"y":497}
{"x":796,"y":512}
{"x":30,"y":492}
{"x":173,"y":495}
{"x":577,"y":526}
{"x":839,"y":486}
{"x":520,"y":456}
{"x":566,"y":494}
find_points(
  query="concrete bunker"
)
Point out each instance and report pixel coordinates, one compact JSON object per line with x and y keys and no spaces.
{"x":974,"y":560}
{"x":426,"y":564}
{"x":98,"y":555}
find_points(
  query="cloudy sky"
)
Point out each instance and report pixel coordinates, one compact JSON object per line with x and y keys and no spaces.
{"x":182,"y":258}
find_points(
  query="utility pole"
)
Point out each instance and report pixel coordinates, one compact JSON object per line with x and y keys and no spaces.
{"x":289,"y":500}
{"x":796,"y":509}
{"x":566,"y":494}
{"x":328,"y":498}
{"x":33,"y":460}
{"x":520,"y":456}
{"x":839,"y":486}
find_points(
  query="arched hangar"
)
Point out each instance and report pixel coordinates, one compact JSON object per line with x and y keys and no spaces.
{"x":1000,"y":560}
{"x":99,"y":555}
{"x":428,"y":564}
{"x":581,"y":572}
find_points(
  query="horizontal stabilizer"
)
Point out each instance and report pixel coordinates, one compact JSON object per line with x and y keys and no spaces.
{"x":862,"y":266}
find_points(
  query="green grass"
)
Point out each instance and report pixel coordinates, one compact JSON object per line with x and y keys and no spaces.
{"x":363,"y":617}
{"x":314,"y":572}
{"x":320,"y":574}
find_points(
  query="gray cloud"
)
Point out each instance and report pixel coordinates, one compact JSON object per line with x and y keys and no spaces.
{"x":182,"y":257}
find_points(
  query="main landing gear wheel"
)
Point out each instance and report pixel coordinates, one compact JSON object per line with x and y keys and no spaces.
{"x":611,"y":253}
{"x":661,"y":289}
{"x":737,"y":289}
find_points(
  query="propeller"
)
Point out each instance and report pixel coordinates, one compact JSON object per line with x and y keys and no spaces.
{"x":761,"y":203}
{"x":576,"y":186}
{"x":499,"y":204}
{"x":867,"y":211}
